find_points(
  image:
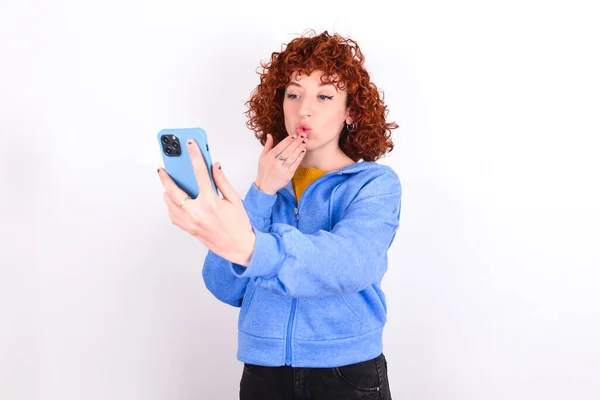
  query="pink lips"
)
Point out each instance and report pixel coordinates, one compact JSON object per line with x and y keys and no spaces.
{"x":303,"y":129}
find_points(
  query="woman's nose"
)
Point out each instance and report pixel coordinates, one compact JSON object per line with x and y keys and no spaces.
{"x":305,"y":108}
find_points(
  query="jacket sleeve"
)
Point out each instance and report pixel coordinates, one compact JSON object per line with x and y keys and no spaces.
{"x":217,"y":271}
{"x":345,"y":260}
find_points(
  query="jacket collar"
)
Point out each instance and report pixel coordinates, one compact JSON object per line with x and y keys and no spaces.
{"x":350,"y":169}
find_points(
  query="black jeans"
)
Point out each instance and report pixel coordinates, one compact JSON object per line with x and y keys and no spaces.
{"x":365,"y":380}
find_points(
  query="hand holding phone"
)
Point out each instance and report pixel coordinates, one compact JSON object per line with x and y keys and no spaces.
{"x":221,"y":224}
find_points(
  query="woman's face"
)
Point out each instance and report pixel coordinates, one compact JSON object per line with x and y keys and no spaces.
{"x":317,"y":110}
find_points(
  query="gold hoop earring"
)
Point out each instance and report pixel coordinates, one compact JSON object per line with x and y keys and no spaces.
{"x":351,"y":127}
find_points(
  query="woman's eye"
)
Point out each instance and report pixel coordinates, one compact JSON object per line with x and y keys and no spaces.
{"x":323,"y":97}
{"x":291,"y":96}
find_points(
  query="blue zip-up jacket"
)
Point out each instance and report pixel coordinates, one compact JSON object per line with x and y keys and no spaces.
{"x":311,"y":295}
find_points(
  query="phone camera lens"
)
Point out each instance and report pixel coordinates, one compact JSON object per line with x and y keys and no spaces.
{"x":168,"y":150}
{"x":175,"y":145}
{"x":165,"y":139}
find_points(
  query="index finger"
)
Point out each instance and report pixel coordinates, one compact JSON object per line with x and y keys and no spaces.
{"x":200,"y":169}
{"x":282,"y":145}
{"x":173,"y":191}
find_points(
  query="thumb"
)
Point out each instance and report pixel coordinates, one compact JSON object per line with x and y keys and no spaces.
{"x":268,"y":144}
{"x":223,"y":185}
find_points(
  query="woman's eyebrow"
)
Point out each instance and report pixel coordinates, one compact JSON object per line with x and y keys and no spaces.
{"x":320,"y":85}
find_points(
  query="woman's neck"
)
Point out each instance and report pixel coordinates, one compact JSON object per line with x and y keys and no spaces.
{"x":326,"y":162}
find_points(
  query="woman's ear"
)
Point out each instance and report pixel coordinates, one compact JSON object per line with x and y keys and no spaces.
{"x":349,"y":118}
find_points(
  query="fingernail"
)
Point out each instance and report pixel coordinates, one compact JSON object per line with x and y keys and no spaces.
{"x":303,"y":151}
{"x":189,"y":142}
{"x":304,"y":141}
{"x":302,"y":136}
{"x":158,"y":170}
{"x":293,"y":137}
{"x":219,"y":165}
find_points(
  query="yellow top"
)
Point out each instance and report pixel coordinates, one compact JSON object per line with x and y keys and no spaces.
{"x":303,"y":177}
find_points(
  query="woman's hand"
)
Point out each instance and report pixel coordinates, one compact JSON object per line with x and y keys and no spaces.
{"x":220,"y":223}
{"x":276,"y":166}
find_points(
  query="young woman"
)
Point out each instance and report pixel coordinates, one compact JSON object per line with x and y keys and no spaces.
{"x":305,"y":252}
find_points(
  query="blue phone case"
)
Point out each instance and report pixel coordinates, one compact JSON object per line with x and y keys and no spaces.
{"x":177,"y":160}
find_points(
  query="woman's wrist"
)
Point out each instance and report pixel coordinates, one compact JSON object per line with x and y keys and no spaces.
{"x":245,"y":251}
{"x":262,"y":189}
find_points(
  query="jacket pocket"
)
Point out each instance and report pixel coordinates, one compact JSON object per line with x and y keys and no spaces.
{"x":246,"y":302}
{"x":326,"y":318}
{"x":373,"y":306}
{"x":265,"y":314}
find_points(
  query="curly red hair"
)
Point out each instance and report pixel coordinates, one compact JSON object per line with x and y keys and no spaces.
{"x":342,"y":62}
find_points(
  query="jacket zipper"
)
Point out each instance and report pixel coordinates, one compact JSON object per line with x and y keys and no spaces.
{"x":288,"y":346}
{"x":288,"y":350}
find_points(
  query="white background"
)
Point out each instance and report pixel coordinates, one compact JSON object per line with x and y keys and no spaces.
{"x":493,"y":280}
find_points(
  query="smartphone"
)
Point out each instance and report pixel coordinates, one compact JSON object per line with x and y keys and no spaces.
{"x":177,"y":159}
